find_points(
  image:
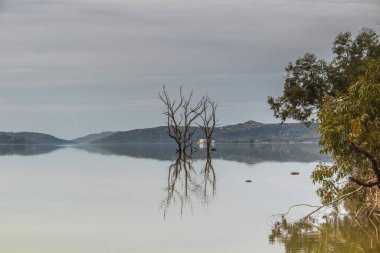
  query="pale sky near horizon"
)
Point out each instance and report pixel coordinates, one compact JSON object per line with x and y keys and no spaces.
{"x":71,"y":68}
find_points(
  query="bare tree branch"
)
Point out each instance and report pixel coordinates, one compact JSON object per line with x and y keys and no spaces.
{"x":208,"y":120}
{"x":374,"y":166}
{"x":181,"y":116}
{"x":321,"y":206}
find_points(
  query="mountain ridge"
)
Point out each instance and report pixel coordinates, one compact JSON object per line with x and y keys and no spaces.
{"x":247,"y":132}
{"x":23,"y":138}
{"x":92,"y":137}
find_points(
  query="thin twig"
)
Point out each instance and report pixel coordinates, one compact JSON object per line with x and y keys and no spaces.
{"x":333,"y":202}
{"x":319,"y":207}
{"x":290,"y":208}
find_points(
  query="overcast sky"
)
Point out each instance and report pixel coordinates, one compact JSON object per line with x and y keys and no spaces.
{"x":73,"y":67}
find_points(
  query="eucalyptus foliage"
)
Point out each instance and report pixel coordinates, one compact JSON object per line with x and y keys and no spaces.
{"x":309,"y":80}
{"x":349,"y":124}
{"x":343,"y":97}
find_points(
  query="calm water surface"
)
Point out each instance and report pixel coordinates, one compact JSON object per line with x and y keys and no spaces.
{"x":116,"y":198}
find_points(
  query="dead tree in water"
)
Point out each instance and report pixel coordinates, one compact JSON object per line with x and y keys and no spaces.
{"x":190,"y":114}
{"x":181,"y":115}
{"x":208,"y":120}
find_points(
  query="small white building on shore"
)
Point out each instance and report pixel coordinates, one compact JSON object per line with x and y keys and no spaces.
{"x":203,"y":142}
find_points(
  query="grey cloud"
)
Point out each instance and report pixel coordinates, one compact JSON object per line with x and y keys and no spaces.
{"x":124,"y":50}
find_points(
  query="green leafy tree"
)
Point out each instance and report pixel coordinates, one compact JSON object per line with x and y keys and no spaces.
{"x":343,"y":96}
{"x":309,"y":80}
{"x":306,"y":85}
{"x":350,"y":131}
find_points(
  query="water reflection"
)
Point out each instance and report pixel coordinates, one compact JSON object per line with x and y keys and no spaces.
{"x":247,"y":153}
{"x":110,"y":203}
{"x":209,"y":179}
{"x":334,"y":233}
{"x":27,"y":150}
{"x":184,"y":183}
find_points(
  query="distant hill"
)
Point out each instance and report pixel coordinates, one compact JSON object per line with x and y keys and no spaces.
{"x":92,"y":137}
{"x":30,"y":138}
{"x":248,"y":132}
{"x":147,"y":135}
{"x":252,"y":131}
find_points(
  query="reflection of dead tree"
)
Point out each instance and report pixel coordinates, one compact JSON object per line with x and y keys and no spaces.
{"x":208,"y":120}
{"x":181,"y":115}
{"x":182,"y":183}
{"x":209,"y":178}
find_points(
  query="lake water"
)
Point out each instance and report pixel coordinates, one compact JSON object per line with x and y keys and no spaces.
{"x":132,"y":198}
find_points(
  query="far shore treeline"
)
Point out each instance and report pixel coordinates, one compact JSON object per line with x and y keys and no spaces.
{"x":248,"y":132}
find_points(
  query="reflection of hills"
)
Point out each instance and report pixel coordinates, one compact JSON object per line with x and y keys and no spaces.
{"x":27,"y":150}
{"x":153,"y":151}
{"x":254,"y":153}
{"x":248,"y":153}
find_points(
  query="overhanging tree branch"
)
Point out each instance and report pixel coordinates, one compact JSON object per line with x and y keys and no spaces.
{"x":374,"y":167}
